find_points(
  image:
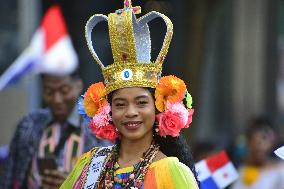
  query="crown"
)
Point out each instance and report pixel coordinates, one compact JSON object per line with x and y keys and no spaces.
{"x":131,"y":48}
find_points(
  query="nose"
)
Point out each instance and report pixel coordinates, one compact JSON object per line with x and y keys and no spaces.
{"x":131,"y":111}
{"x":57,"y":98}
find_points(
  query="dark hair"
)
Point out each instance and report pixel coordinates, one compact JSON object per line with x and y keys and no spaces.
{"x":260,"y":123}
{"x":177,"y":147}
{"x":172,"y":146}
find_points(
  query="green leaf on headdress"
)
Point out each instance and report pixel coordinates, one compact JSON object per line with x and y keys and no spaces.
{"x":188,"y":99}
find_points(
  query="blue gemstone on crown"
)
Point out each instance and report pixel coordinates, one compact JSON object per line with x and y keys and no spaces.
{"x":126,"y":74}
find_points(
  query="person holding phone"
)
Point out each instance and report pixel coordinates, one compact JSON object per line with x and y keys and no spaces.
{"x":48,"y":142}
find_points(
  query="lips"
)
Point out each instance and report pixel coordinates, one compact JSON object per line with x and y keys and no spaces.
{"x":132,"y":125}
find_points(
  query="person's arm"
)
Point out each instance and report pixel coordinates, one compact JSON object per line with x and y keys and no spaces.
{"x":16,"y":157}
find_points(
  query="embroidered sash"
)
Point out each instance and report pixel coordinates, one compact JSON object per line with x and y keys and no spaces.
{"x":96,"y":167}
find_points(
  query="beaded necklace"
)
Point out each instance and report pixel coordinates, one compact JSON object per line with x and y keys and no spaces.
{"x":136,"y":177}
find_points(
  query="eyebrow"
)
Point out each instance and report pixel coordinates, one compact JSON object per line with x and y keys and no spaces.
{"x":136,"y":98}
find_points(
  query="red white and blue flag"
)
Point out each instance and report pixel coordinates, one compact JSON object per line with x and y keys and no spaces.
{"x":50,"y":51}
{"x":280,"y":152}
{"x":216,"y":172}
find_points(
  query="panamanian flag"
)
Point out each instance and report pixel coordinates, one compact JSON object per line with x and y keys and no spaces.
{"x":216,"y":172}
{"x":280,"y":152}
{"x":50,"y":51}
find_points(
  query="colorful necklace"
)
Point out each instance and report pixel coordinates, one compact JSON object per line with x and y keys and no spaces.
{"x":136,"y":177}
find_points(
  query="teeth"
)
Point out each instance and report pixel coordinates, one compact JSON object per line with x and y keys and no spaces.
{"x":132,"y":124}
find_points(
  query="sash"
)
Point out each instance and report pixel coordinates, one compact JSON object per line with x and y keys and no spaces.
{"x":96,"y":167}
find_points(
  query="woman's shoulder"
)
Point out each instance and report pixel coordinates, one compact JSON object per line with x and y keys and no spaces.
{"x":170,"y":162}
{"x":171,"y":171}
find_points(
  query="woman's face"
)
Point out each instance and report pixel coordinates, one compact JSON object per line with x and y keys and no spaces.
{"x":133,"y":112}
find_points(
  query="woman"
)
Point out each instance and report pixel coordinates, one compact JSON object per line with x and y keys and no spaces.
{"x":140,"y":112}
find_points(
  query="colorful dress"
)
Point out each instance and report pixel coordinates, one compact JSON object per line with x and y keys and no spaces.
{"x":167,"y":173}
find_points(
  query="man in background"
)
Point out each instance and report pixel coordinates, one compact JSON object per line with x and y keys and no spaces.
{"x":47,"y":143}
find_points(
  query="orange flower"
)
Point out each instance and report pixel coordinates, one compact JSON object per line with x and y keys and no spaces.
{"x":170,"y":89}
{"x":95,"y":98}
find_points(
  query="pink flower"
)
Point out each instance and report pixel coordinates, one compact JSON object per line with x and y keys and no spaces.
{"x":107,"y":132}
{"x":179,"y":110}
{"x":190,"y":113}
{"x":175,"y":118}
{"x":169,"y":124}
{"x":103,"y":117}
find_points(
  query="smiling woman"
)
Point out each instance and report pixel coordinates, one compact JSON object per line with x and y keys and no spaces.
{"x":133,"y":113}
{"x":139,"y":111}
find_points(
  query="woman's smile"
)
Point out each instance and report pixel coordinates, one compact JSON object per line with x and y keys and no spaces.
{"x":132,"y":125}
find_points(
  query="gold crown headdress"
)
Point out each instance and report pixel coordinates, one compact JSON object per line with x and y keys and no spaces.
{"x":131,"y":48}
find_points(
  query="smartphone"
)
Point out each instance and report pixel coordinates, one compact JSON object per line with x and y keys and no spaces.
{"x":46,"y":163}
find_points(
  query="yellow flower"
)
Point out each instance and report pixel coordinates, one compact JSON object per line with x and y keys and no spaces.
{"x":170,"y":89}
{"x":95,"y":98}
{"x":250,"y":174}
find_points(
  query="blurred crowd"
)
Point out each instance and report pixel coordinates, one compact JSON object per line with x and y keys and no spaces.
{"x":252,"y":154}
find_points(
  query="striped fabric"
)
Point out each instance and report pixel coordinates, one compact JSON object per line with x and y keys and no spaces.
{"x":67,"y":157}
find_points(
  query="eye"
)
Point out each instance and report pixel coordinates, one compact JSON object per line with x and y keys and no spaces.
{"x":65,"y":90}
{"x":142,"y":102}
{"x":119,"y":104}
{"x":48,"y":92}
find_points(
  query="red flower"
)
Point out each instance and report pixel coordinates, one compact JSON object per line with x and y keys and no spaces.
{"x":107,"y":132}
{"x":190,"y":113}
{"x":169,"y":124}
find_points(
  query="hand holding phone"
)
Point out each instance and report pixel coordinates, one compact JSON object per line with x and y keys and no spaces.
{"x":53,"y":179}
{"x":47,"y":163}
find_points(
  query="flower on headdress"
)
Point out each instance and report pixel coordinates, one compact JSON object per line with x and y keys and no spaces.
{"x":170,"y":89}
{"x":188,"y":100}
{"x":95,"y":98}
{"x":103,"y":117}
{"x":81,"y":109}
{"x":173,"y":119}
{"x":107,"y":132}
{"x":190,"y":113}
{"x":100,"y":124}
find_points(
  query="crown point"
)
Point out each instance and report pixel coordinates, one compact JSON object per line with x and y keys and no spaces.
{"x":127,"y":3}
{"x":162,"y":59}
{"x":136,"y":10}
